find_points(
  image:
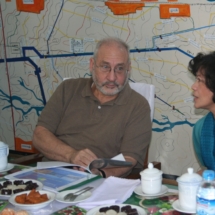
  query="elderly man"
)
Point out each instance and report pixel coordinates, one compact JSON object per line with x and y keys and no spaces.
{"x":98,"y":117}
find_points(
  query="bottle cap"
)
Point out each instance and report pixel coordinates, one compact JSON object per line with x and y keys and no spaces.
{"x":208,"y":175}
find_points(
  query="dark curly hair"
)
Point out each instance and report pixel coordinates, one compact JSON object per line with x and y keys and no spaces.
{"x":205,"y":64}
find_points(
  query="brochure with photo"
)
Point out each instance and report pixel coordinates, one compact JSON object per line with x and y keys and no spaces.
{"x":55,"y":179}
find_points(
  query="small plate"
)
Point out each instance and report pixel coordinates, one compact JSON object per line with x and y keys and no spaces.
{"x":138,"y":191}
{"x":40,"y":186}
{"x":80,"y":198}
{"x":38,"y":206}
{"x":9,"y":167}
{"x":96,"y":209}
{"x":176,"y":205}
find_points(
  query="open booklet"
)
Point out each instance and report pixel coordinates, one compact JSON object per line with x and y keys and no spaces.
{"x":56,"y":178}
{"x":100,"y":163}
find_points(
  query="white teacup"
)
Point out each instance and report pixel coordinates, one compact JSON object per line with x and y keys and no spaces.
{"x":151,"y":180}
{"x":4,"y":151}
{"x":188,"y":184}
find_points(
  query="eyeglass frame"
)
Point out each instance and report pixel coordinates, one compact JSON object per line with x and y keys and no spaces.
{"x":117,"y":73}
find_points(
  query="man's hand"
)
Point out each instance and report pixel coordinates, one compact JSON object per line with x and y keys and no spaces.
{"x":83,"y":157}
{"x":95,"y":171}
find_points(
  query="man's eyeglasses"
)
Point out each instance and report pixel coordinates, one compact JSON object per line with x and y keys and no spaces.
{"x":118,"y":70}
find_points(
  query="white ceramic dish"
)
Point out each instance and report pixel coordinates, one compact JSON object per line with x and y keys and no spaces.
{"x":38,"y":206}
{"x":60,"y":196}
{"x":9,"y":167}
{"x":151,"y":179}
{"x":176,"y":205}
{"x":40,"y":186}
{"x":96,"y":209}
{"x":138,"y":191}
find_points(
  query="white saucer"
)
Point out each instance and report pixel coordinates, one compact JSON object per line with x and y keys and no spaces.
{"x":32,"y":207}
{"x":9,"y":167}
{"x":138,"y":191}
{"x":80,"y":198}
{"x":178,"y":207}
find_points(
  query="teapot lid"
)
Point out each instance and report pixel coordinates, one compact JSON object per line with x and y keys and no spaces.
{"x":189,"y":177}
{"x":151,"y":172}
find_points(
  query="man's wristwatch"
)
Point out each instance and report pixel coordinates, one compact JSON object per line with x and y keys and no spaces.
{"x":102,"y":173}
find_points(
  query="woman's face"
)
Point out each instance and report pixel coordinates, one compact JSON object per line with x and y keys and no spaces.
{"x":202,"y":95}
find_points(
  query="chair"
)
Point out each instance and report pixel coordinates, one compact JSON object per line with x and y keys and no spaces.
{"x":147,"y":91}
{"x":170,"y":179}
{"x":23,"y":158}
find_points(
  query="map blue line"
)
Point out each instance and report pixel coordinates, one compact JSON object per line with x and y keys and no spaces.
{"x":54,"y":25}
{"x":38,"y":70}
{"x":53,"y":66}
{"x":162,"y":49}
{"x":21,"y":82}
{"x":87,"y":74}
{"x":12,"y":101}
{"x":170,"y":125}
{"x":178,"y":32}
{"x":162,"y":101}
{"x":31,"y":48}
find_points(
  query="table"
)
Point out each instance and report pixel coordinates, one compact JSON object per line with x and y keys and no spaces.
{"x":153,"y":206}
{"x":134,"y":200}
{"x":55,"y":205}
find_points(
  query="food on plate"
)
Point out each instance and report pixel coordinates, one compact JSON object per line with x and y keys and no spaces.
{"x":71,"y":210}
{"x":34,"y":197}
{"x":9,"y":211}
{"x":16,"y":186}
{"x":116,"y":210}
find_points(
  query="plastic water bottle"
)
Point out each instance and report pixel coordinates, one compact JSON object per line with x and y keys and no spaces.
{"x":206,"y":194}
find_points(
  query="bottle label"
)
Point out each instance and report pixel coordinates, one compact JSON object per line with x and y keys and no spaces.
{"x":205,"y":206}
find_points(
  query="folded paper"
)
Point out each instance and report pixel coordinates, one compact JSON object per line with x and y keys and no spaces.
{"x":112,"y":191}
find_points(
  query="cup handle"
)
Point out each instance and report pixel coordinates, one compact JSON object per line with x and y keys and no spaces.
{"x":7,"y":151}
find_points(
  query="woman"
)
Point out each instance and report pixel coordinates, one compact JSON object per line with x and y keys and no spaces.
{"x":203,"y":68}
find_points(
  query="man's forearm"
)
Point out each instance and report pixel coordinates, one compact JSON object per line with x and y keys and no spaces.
{"x":50,"y":146}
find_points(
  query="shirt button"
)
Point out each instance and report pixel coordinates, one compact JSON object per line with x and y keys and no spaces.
{"x":99,"y":107}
